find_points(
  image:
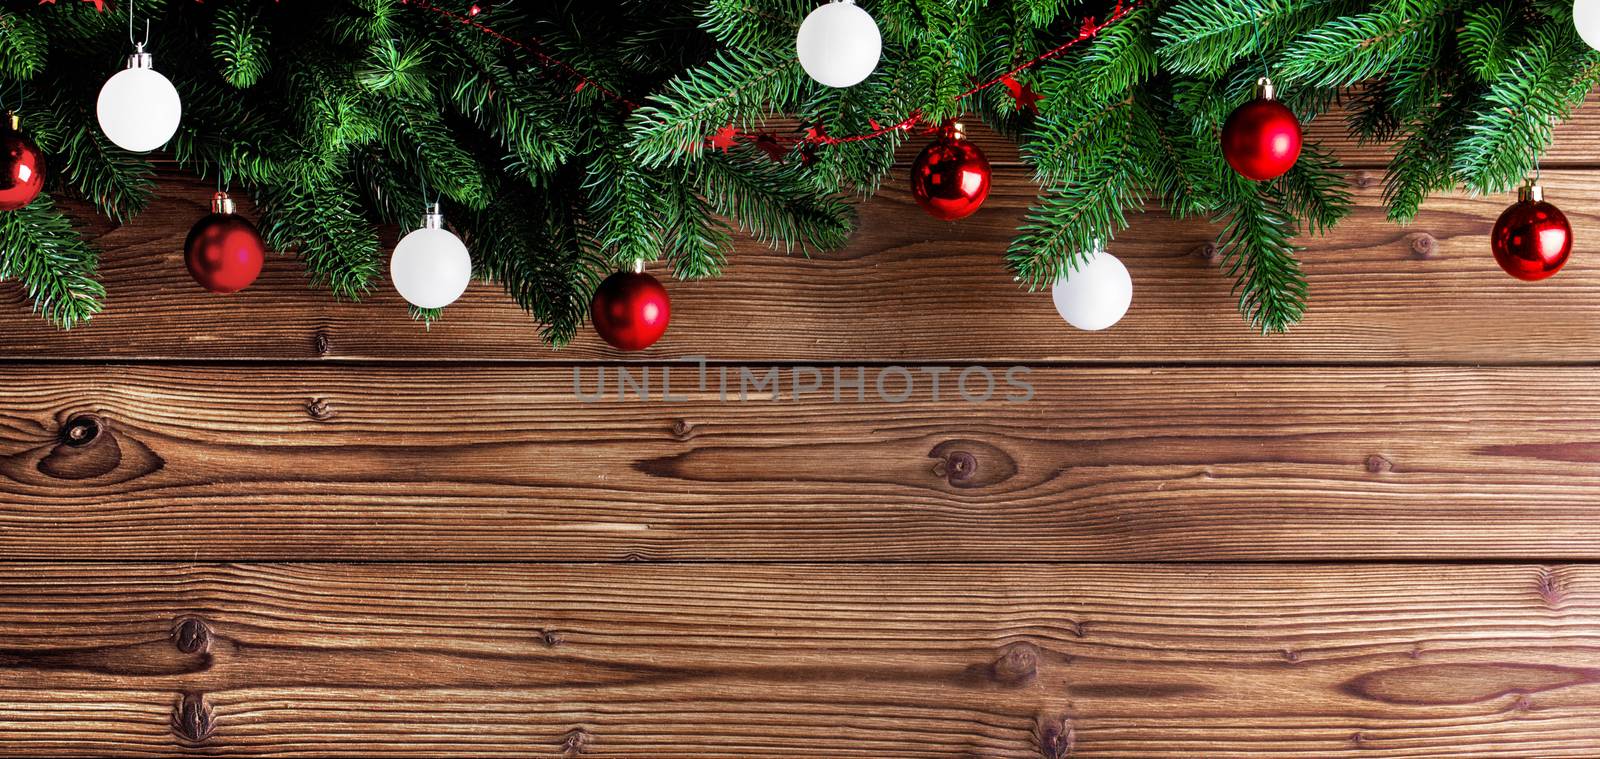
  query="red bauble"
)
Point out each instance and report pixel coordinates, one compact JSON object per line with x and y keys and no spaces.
{"x":21,"y":167}
{"x":1261,"y":138}
{"x":224,"y":253}
{"x":630,"y":310}
{"x":1531,"y":239}
{"x":950,"y":177}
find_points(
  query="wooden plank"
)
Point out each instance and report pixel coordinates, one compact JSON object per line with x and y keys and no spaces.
{"x":907,"y":288}
{"x":809,"y":660}
{"x":284,"y":463}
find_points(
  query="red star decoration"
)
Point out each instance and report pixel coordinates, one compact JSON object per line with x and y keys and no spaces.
{"x":816,"y":134}
{"x":99,"y":5}
{"x":1026,"y":98}
{"x":769,"y":144}
{"x":725,"y":138}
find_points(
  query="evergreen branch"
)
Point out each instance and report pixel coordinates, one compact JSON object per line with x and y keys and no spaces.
{"x":1206,"y":38}
{"x":1486,"y":40}
{"x":1314,"y":192}
{"x":1063,"y":227}
{"x":755,"y":24}
{"x":40,"y":248}
{"x":1540,"y":86}
{"x":736,"y":89}
{"x":117,"y":182}
{"x":774,"y":202}
{"x":1258,"y":252}
{"x":239,"y":46}
{"x":1349,"y":49}
{"x":694,"y":239}
{"x":23,"y":46}
{"x":323,"y":221}
{"x":622,"y":199}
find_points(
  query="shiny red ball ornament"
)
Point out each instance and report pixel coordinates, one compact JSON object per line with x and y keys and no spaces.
{"x":630,"y":310}
{"x":224,"y":253}
{"x":950,"y":178}
{"x":1261,"y":139}
{"x":1532,"y":239}
{"x":21,"y":166}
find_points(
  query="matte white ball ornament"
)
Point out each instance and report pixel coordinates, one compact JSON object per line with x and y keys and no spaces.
{"x":1096,"y":295}
{"x":839,"y":44}
{"x":1586,"y":16}
{"x":139,"y":109}
{"x":430,"y":267}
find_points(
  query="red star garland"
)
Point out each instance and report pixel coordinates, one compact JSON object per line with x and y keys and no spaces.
{"x":1027,"y":99}
{"x":724,"y":139}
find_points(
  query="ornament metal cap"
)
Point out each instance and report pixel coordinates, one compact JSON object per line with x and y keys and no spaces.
{"x":140,"y":59}
{"x":1530,"y":192}
{"x":14,"y":121}
{"x":956,"y":131}
{"x":1265,"y":89}
{"x":221,"y":203}
{"x":433,"y":218}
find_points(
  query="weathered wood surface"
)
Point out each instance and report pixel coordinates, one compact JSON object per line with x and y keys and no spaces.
{"x":800,"y":660}
{"x":906,"y":288}
{"x":267,"y":462}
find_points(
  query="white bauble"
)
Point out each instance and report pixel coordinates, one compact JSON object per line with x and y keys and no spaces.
{"x":1096,"y":295}
{"x":430,"y":267}
{"x":139,"y":109}
{"x":839,"y":44}
{"x":1586,"y":16}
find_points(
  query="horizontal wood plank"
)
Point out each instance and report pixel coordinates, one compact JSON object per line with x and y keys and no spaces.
{"x":906,"y":288}
{"x":805,"y":660}
{"x":282,"y":463}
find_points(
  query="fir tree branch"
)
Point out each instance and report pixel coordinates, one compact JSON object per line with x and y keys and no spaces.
{"x":40,"y":248}
{"x":733,"y":88}
{"x":774,"y":202}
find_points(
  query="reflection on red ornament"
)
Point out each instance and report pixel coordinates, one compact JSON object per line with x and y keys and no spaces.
{"x":223,"y":251}
{"x":1261,"y":139}
{"x":950,"y":178}
{"x":630,"y":310}
{"x":21,"y":167}
{"x":1532,"y":239}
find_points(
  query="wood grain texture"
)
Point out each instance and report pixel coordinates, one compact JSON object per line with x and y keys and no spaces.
{"x":906,"y":288}
{"x":275,"y":463}
{"x":800,"y":661}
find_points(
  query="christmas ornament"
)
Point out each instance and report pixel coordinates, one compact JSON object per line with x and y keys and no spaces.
{"x":430,"y":266}
{"x":1586,"y":17}
{"x":138,"y":108}
{"x":839,"y":44}
{"x":1532,"y":239}
{"x":1096,"y":295}
{"x":223,"y":252}
{"x":1261,"y":138}
{"x":21,"y":166}
{"x":950,"y":178}
{"x":630,"y":310}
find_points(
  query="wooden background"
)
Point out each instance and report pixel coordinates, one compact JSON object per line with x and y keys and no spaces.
{"x":274,"y":524}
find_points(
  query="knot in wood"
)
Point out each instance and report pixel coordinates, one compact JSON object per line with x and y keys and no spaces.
{"x":1208,"y":252}
{"x":1377,"y":464}
{"x":192,"y":718}
{"x":957,"y":467}
{"x":1055,"y":737}
{"x":80,"y":430}
{"x":681,"y":429}
{"x":321,"y":343}
{"x":1365,"y":179}
{"x":191,"y":635}
{"x":575,"y":742}
{"x":319,"y":409}
{"x":550,"y":638}
{"x":1018,"y":665}
{"x":1424,"y":245}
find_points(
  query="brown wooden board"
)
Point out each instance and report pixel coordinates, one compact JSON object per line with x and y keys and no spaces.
{"x":906,"y":288}
{"x":800,"y":661}
{"x":267,"y":462}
